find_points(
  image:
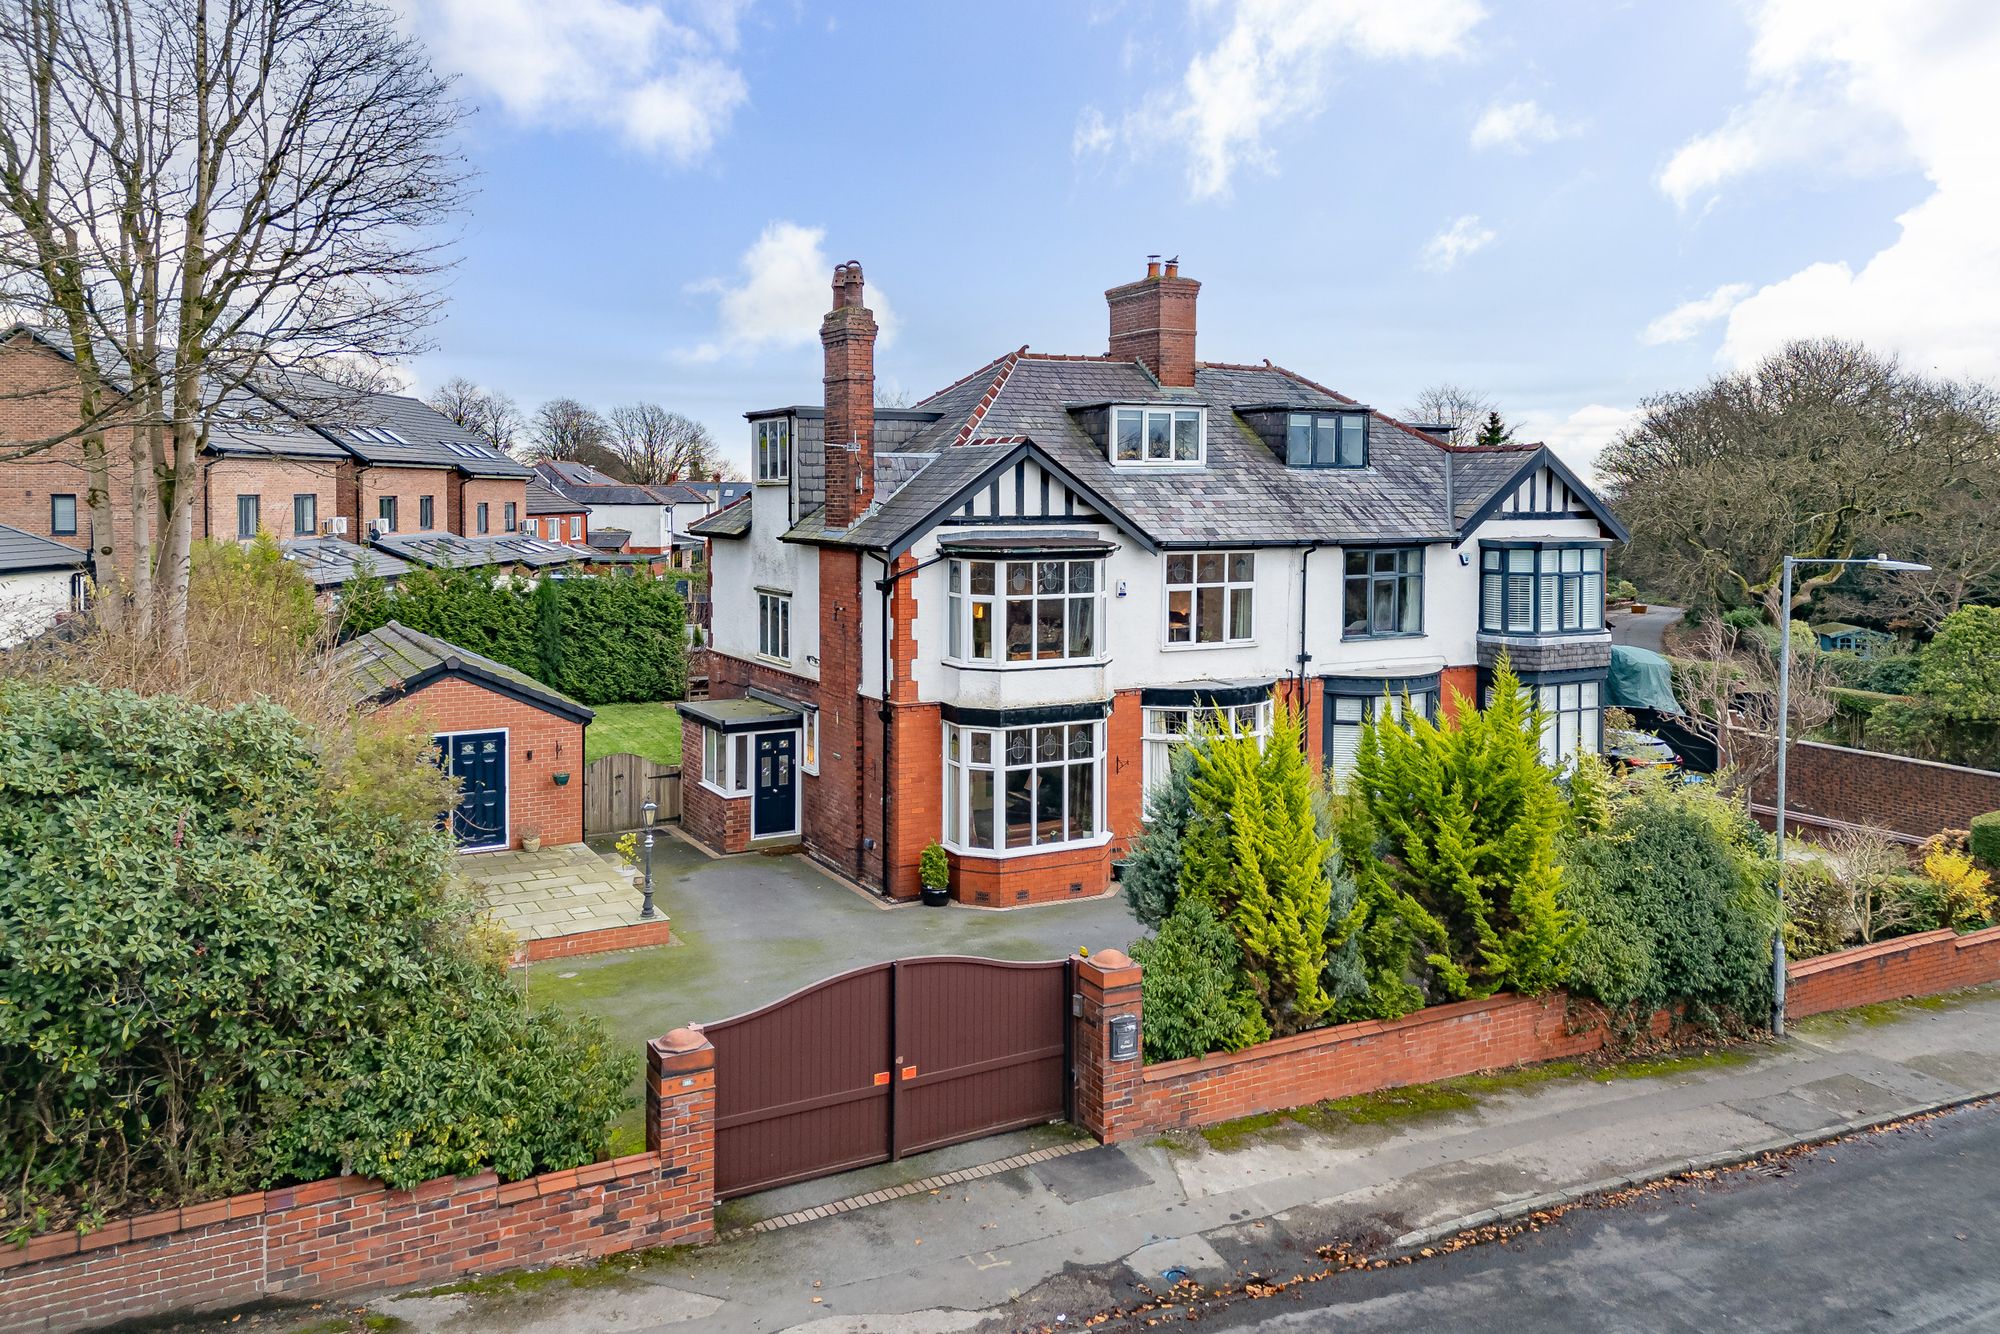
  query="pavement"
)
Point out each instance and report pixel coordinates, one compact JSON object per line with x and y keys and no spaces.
{"x":555,"y":891}
{"x":1643,"y":631}
{"x":1060,"y":1241}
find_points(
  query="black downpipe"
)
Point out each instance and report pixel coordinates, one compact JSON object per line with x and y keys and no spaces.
{"x":1305,"y":558}
{"x":886,"y":586}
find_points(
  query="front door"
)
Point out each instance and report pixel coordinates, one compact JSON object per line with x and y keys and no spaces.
{"x":775,"y":802}
{"x":478,"y":760}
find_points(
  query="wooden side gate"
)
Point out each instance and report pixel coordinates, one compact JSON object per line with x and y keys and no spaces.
{"x":886,"y":1061}
{"x":615,"y":787}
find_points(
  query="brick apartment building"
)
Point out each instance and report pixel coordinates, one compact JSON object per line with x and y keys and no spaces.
{"x":986,"y":619}
{"x":389,"y":463}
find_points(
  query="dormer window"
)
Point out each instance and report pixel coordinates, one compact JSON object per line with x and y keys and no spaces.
{"x":773,"y":449}
{"x":1327,"y":440}
{"x":1151,"y":437}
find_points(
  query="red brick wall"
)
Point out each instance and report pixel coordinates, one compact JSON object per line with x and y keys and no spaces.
{"x":408,"y":485}
{"x":539,"y":746}
{"x":350,"y":1235}
{"x":1118,"y":1100}
{"x":1455,"y":683}
{"x":708,"y":817}
{"x":47,"y":407}
{"x":1912,"y":797}
{"x":1152,"y":321}
{"x":839,"y":804}
{"x":1006,"y":882}
{"x":274,"y":482}
{"x":1919,"y":965}
{"x":495,"y":493}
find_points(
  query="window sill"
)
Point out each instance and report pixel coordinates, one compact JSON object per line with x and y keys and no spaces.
{"x":1541,"y":636}
{"x":1039,"y":849}
{"x":763,"y":657}
{"x":1215,"y":644}
{"x":1347,"y":638}
{"x":1033,"y":665}
{"x":772,"y":481}
{"x":726,"y":796}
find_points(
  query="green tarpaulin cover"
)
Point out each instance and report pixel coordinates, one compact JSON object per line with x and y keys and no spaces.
{"x":1640,"y":679}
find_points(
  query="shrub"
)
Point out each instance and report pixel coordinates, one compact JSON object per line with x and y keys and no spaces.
{"x":933,"y":868}
{"x":1819,"y":910}
{"x":1192,"y":995}
{"x":1890,"y":674}
{"x":1345,"y":979}
{"x":1961,"y":667}
{"x":1152,"y":875}
{"x":1743,"y":618}
{"x":1624,"y":590}
{"x":1968,"y":902}
{"x":1678,"y":906}
{"x":230,"y":956}
{"x":1450,"y":832}
{"x":1984,"y":840}
{"x":1251,"y":849}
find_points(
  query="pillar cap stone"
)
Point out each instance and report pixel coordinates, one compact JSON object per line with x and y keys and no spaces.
{"x":683,"y":1039}
{"x":1110,"y":959}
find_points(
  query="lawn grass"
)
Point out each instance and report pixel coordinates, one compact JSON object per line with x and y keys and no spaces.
{"x":652,"y":730}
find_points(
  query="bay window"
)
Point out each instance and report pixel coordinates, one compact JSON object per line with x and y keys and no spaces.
{"x":1162,"y":729}
{"x":1156,"y":435}
{"x":1572,"y":717}
{"x":1011,"y":789}
{"x":1541,"y":590}
{"x":1384,"y":592}
{"x":1023,"y":611}
{"x":1210,"y":597}
{"x":1346,"y":715}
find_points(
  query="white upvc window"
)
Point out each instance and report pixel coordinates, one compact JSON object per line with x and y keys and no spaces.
{"x":1352,"y":712}
{"x":1572,"y":717}
{"x":1011,"y":790}
{"x":1158,"y":437}
{"x":774,"y":626}
{"x":809,"y":741}
{"x":1162,"y":729}
{"x":772,"y":449}
{"x":1024,"y":612}
{"x":1211,"y":597}
{"x":725,"y":762}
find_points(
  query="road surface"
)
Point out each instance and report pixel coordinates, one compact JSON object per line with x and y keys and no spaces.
{"x":1642,"y":631}
{"x":1893,"y":1231}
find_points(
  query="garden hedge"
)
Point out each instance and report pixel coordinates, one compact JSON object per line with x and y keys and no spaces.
{"x":1986,"y":840}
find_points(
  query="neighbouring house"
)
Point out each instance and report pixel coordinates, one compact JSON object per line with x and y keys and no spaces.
{"x":330,"y":563}
{"x":987,"y":618}
{"x":553,"y":516}
{"x":653,"y":518}
{"x":514,"y":745}
{"x":1862,"y":642}
{"x":301,"y":459}
{"x":41,"y":582}
{"x":505,"y":552}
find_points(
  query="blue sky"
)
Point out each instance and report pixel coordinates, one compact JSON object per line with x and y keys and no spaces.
{"x":1568,"y":206}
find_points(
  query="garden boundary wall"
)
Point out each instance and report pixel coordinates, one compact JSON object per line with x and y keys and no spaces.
{"x":1835,"y":785}
{"x":347,"y":1236}
{"x":1118,"y":1099}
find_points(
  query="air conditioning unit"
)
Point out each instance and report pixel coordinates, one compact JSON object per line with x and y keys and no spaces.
{"x":376,"y":528}
{"x":334,"y":527}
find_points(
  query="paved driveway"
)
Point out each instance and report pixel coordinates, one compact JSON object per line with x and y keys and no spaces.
{"x":1643,"y":631}
{"x":751,"y":929}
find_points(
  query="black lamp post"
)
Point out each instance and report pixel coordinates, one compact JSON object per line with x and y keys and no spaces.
{"x":651,"y":810}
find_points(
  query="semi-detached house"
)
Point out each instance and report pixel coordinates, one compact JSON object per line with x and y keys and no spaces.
{"x":987,"y":618}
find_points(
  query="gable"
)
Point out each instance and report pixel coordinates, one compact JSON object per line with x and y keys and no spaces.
{"x":1542,"y":495}
{"x":1027,"y":490}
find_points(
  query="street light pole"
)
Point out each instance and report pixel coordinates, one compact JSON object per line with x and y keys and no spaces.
{"x":1879,"y":562}
{"x":646,"y":914}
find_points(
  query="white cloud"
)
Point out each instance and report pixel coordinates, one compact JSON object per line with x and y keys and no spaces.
{"x":659,"y":74}
{"x":1516,"y":125}
{"x":1271,"y":66}
{"x":1464,"y":237}
{"x":1691,"y":317}
{"x":1915,"y":84}
{"x":1093,"y":133}
{"x":1577,"y":437}
{"x":786,"y":284}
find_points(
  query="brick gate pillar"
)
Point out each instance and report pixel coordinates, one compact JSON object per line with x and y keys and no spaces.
{"x":1107,"y":1081}
{"x":680,"y":1122}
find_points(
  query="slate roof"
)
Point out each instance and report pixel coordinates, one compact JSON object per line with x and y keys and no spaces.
{"x":21,"y":552}
{"x":393,"y":430}
{"x":1478,"y":473}
{"x":561,"y":472}
{"x":450,"y":551}
{"x":615,"y":493}
{"x":731,"y":521}
{"x":608,"y":539}
{"x":394,"y":659}
{"x":329,"y":562}
{"x":545,"y":499}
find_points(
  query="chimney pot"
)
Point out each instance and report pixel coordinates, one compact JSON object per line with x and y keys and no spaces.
{"x":1152,"y":266}
{"x":1174,"y":267}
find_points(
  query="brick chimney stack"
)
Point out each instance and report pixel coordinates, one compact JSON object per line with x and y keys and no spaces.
{"x":1152,"y":321}
{"x":848,"y":335}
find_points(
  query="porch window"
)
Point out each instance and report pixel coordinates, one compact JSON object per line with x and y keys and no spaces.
{"x":809,"y":741}
{"x":1017,"y":789}
{"x":725,"y":762}
{"x":1049,"y":611}
{"x":1164,"y":729}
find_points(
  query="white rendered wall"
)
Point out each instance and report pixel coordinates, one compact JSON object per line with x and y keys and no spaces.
{"x":30,"y":602}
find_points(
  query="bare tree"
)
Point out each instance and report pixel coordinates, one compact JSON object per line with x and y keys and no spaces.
{"x":1823,"y":449}
{"x":210,"y":203}
{"x":487,"y":413}
{"x":1728,"y":682}
{"x":889,"y":396}
{"x":565,"y":430}
{"x":1452,"y":406}
{"x":656,"y":445}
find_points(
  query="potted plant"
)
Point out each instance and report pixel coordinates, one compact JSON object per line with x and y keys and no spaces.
{"x":934,"y":873}
{"x":531,"y":840}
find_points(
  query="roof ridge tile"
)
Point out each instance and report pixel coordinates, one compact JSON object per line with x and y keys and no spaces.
{"x":979,"y":409}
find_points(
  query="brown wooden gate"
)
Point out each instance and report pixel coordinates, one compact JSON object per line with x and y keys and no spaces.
{"x":885,"y":1061}
{"x":617,"y":787}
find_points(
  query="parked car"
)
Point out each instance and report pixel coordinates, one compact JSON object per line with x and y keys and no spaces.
{"x":1639,"y":750}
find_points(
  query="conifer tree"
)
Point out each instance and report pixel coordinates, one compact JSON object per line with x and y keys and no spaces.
{"x":364,"y":601}
{"x":1494,"y":433}
{"x":1152,"y":875}
{"x":1192,"y":995}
